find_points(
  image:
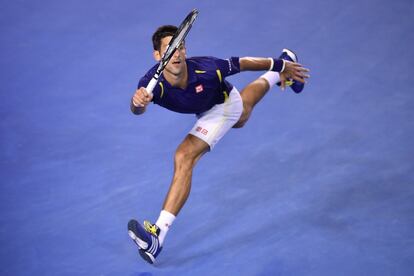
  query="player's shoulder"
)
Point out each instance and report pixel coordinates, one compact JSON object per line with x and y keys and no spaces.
{"x":149,"y":74}
{"x":145,"y":79}
{"x":203,"y":62}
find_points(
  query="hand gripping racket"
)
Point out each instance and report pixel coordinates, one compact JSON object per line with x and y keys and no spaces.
{"x":174,"y":44}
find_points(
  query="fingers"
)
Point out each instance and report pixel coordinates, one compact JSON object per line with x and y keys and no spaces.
{"x":136,"y":100}
{"x":296,"y":72}
{"x":299,"y":66}
{"x":144,"y":92}
{"x":300,"y":77}
{"x":141,"y":97}
{"x":301,"y":72}
{"x":282,"y":81}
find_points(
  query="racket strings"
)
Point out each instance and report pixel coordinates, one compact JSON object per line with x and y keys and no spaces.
{"x":178,"y":37}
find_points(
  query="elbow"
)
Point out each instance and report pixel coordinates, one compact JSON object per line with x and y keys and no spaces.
{"x":242,"y":64}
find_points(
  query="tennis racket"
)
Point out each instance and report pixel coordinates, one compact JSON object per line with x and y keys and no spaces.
{"x":175,"y":42}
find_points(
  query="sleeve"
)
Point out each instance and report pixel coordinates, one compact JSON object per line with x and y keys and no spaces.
{"x":143,"y":82}
{"x":228,"y":67}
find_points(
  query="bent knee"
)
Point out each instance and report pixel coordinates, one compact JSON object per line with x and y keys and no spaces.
{"x":240,"y":124}
{"x":247,"y":109}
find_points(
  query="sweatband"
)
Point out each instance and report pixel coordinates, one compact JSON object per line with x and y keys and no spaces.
{"x":278,"y":65}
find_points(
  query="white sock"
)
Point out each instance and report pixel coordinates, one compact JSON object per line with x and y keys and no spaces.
{"x":165,"y":220}
{"x":271,"y":77}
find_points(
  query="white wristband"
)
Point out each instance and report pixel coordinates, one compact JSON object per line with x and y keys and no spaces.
{"x":271,"y":63}
{"x":283,"y":67}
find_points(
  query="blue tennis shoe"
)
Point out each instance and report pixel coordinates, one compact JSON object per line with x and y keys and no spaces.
{"x":146,"y":238}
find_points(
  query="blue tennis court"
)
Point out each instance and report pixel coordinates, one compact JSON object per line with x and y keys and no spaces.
{"x":317,"y":183}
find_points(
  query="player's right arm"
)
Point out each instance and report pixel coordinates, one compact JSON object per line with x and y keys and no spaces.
{"x":140,"y":100}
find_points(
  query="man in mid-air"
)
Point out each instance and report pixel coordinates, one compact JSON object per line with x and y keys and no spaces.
{"x":197,"y":85}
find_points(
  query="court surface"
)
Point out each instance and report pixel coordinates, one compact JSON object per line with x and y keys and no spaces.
{"x":318,"y":183}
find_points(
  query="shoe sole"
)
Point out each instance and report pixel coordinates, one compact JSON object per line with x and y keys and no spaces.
{"x":134,"y":234}
{"x":291,"y":54}
{"x":147,"y":256}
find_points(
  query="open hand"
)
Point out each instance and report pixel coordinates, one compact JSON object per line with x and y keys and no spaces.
{"x":294,"y":71}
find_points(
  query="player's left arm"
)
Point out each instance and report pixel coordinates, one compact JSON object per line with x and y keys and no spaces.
{"x":289,"y":69}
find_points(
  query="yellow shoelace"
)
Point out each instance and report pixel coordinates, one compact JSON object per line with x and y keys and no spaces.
{"x":150,"y":227}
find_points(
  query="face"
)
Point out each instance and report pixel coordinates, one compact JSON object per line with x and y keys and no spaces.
{"x":177,"y":64}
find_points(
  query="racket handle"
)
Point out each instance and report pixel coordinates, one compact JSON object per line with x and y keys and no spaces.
{"x":151,"y":85}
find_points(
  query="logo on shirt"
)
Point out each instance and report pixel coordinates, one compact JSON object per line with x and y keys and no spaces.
{"x":199,"y":88}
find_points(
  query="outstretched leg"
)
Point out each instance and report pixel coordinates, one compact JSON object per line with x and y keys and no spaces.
{"x":150,"y":237}
{"x":186,"y":157}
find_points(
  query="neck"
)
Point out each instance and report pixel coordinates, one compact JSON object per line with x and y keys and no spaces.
{"x":177,"y":80}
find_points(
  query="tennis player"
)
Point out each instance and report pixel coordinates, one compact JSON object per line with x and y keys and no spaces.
{"x":198,"y":85}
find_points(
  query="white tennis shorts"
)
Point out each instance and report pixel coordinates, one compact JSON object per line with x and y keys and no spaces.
{"x":214,"y":123}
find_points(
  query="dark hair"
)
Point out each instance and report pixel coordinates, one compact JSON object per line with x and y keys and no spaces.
{"x":160,"y":33}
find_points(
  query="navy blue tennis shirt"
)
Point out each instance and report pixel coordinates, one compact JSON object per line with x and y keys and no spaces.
{"x":206,"y":85}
